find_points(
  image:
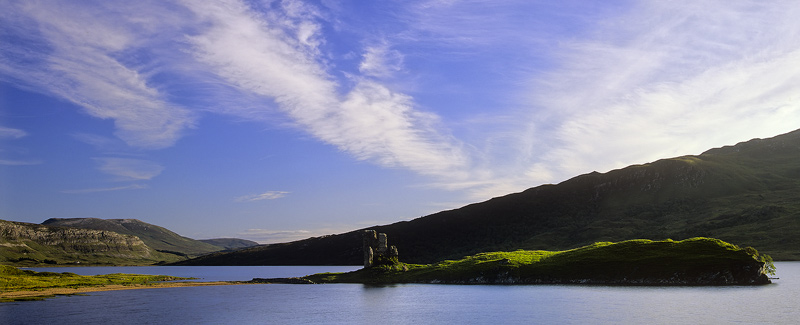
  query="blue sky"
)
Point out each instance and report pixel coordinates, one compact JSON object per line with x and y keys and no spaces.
{"x":281,"y":120}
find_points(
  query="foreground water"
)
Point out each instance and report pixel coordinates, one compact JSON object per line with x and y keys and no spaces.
{"x":777,"y":303}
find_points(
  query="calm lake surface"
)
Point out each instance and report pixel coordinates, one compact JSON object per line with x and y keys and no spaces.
{"x":778,"y":303}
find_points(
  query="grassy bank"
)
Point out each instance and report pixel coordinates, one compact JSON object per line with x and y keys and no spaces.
{"x":16,"y":280}
{"x":696,"y":261}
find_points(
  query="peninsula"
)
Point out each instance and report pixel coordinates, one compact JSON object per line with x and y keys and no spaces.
{"x":691,"y":262}
{"x":17,"y":284}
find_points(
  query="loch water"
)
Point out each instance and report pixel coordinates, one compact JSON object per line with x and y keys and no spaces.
{"x":777,"y":303}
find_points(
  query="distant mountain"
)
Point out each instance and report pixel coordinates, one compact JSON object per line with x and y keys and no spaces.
{"x":33,"y":244}
{"x":101,"y":242}
{"x":159,"y":238}
{"x":747,"y":194}
{"x":230,"y":243}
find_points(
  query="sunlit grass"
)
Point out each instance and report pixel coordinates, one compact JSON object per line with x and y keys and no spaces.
{"x":639,"y":259}
{"x":13,"y":279}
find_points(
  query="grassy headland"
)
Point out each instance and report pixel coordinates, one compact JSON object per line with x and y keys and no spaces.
{"x":16,"y":284}
{"x":696,"y":261}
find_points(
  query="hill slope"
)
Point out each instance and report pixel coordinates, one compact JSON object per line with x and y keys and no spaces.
{"x":230,"y":243}
{"x":31,"y":244}
{"x":156,"y":237}
{"x":747,"y":194}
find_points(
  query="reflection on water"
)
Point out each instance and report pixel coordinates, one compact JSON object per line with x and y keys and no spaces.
{"x":207,"y":273}
{"x":413,"y":303}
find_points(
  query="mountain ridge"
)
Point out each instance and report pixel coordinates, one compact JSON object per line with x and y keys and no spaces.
{"x":746,"y":194}
{"x":93,"y":241}
{"x":157,"y":237}
{"x":29,"y":243}
{"x":230,"y":243}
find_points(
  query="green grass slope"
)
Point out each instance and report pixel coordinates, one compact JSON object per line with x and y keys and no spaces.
{"x":748,"y":193}
{"x":156,"y":237}
{"x":28,"y":244}
{"x":13,"y":279}
{"x":696,"y":261}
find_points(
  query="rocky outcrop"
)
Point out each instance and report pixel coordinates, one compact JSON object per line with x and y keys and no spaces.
{"x":156,"y":237}
{"x":376,"y":249}
{"x":80,"y":240}
{"x":56,"y":245}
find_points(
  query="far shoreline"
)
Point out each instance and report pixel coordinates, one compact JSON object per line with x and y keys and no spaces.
{"x":24,"y":295}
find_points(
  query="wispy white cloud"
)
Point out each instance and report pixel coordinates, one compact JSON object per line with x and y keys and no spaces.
{"x":108,"y":59}
{"x":106,"y":189}
{"x":586,"y":87}
{"x":623,"y":85}
{"x":267,"y":236}
{"x":263,"y":55}
{"x":99,"y":142}
{"x":664,"y":80}
{"x":381,"y":61}
{"x":270,"y":195}
{"x":7,"y":133}
{"x":12,"y":162}
{"x":11,"y":133}
{"x":512,"y":30}
{"x":129,"y":169}
{"x":78,"y":56}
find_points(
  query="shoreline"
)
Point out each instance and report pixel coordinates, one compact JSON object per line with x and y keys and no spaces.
{"x":21,"y":295}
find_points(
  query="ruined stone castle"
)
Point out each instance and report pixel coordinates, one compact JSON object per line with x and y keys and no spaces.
{"x":376,"y":249}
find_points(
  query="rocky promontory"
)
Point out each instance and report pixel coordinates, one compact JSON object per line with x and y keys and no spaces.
{"x":34,"y":244}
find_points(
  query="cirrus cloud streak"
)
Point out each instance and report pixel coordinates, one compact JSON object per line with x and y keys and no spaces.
{"x":571,"y":88}
{"x":270,"y":195}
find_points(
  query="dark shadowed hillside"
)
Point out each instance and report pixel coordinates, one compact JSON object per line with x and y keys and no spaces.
{"x":230,"y":243}
{"x":747,"y":194}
